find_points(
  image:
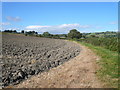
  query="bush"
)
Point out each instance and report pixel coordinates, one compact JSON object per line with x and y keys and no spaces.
{"x":56,"y":36}
{"x":108,"y":43}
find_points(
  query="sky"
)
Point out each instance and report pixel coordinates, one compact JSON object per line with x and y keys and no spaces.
{"x":60,"y":17}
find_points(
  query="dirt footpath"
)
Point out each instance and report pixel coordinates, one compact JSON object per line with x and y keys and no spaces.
{"x":78,"y":72}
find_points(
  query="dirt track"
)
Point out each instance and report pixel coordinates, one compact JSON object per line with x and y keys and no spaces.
{"x":79,"y":72}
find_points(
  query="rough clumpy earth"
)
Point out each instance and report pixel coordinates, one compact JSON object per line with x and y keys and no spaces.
{"x":24,"y":56}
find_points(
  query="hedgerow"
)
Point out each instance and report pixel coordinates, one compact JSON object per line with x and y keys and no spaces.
{"x":108,"y":43}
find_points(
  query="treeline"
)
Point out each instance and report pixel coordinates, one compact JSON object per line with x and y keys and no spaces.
{"x":33,"y":33}
{"x":10,"y":31}
{"x":72,"y":34}
{"x":108,"y":40}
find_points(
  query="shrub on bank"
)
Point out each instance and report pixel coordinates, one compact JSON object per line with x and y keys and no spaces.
{"x":108,"y":43}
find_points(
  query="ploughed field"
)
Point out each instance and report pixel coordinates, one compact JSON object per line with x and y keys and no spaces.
{"x":24,"y":56}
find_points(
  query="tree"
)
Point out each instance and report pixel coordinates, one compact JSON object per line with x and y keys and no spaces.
{"x":31,"y":33}
{"x":74,"y":34}
{"x":14,"y":31}
{"x":46,"y":34}
{"x":23,"y":31}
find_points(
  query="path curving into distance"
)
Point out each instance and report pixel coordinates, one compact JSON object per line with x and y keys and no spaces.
{"x":79,"y":72}
{"x":26,"y":56}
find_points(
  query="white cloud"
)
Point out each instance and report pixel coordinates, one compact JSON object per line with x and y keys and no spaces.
{"x":115,"y":30}
{"x":64,"y":28}
{"x":5,"y":23}
{"x":113,"y":23}
{"x":69,"y":25}
{"x":15,"y":19}
{"x":35,"y":27}
{"x":12,"y":29}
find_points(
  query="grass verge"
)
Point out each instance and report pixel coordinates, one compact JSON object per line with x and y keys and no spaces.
{"x":108,"y":72}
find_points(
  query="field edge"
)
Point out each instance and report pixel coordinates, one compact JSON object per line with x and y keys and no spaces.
{"x":108,"y":65}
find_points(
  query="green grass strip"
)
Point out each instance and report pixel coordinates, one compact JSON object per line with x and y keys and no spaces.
{"x":108,"y":72}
